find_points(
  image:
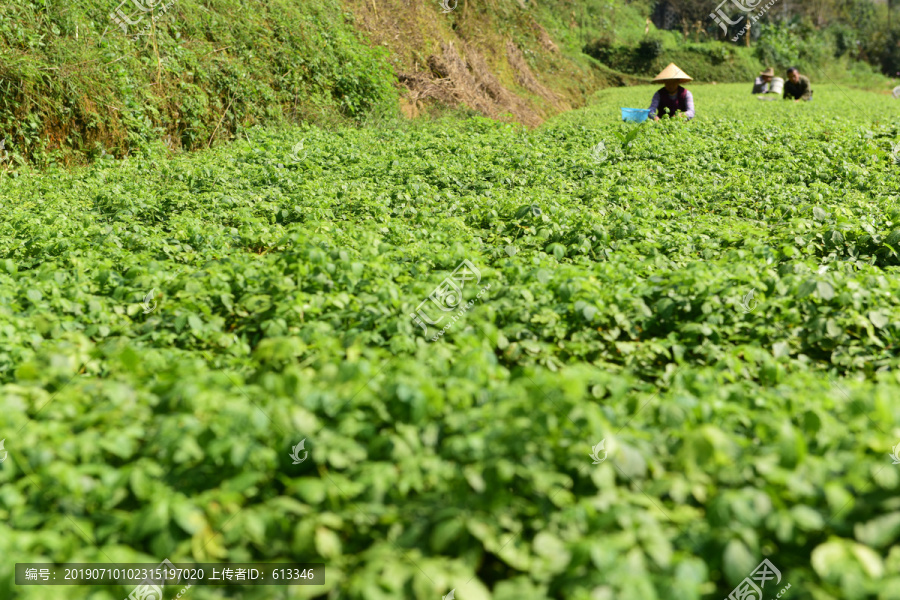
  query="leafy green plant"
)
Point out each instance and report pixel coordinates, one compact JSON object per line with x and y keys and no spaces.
{"x":628,"y":138}
{"x":172,"y":327}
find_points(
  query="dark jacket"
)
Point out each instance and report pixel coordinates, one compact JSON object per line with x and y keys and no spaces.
{"x":678,"y":103}
{"x":799,"y":90}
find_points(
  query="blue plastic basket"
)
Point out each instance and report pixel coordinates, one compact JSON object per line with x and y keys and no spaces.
{"x":637,"y":115}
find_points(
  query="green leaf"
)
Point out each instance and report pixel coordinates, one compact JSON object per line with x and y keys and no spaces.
{"x":807,"y":288}
{"x":878,"y":319}
{"x":328,"y":544}
{"x":473,"y":476}
{"x":554,"y":552}
{"x":738,"y":561}
{"x":807,"y":518}
{"x":311,"y":490}
{"x":557,"y":250}
{"x":188,"y":517}
{"x":10,"y":266}
{"x":880,"y":531}
{"x":893,"y":239}
{"x":828,"y":559}
{"x":254,"y":527}
{"x":869,"y":559}
{"x":826,"y":292}
{"x":780,"y":349}
{"x":195,"y":323}
{"x":446,"y":533}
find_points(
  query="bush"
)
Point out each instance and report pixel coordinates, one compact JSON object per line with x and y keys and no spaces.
{"x":778,"y":46}
{"x":604,"y":51}
{"x":649,"y":49}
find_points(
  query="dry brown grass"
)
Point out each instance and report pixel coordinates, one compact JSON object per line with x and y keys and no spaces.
{"x":453,"y":80}
{"x":463,"y":60}
{"x":546,"y":41}
{"x":526,"y":78}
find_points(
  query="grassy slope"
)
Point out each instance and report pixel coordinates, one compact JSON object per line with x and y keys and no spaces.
{"x":72,"y":80}
{"x":74,"y":87}
{"x":283,"y":290}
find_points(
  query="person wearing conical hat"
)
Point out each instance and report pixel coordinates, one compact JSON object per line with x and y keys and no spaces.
{"x":763,"y":83}
{"x":672,"y":99}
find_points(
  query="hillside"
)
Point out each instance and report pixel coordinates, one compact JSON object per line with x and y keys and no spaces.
{"x":79,"y":81}
{"x":76,"y":84}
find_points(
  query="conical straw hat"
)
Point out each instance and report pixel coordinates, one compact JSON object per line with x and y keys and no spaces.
{"x":672,"y":73}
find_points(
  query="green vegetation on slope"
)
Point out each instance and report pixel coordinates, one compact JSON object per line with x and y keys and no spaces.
{"x":71,"y":80}
{"x":781,"y":46}
{"x":279,"y":280}
{"x":75,"y":86}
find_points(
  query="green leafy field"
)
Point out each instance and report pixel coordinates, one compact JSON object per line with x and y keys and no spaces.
{"x":739,"y":426}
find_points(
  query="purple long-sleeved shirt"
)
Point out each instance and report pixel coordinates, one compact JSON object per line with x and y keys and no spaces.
{"x":689,"y":113}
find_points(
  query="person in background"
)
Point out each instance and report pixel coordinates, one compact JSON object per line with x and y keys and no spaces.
{"x":763,"y":83}
{"x":672,"y":99}
{"x":797,"y":86}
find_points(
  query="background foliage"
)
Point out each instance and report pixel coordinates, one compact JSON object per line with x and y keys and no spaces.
{"x":800,"y":31}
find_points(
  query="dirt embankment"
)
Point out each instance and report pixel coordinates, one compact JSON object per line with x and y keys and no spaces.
{"x":495,"y":59}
